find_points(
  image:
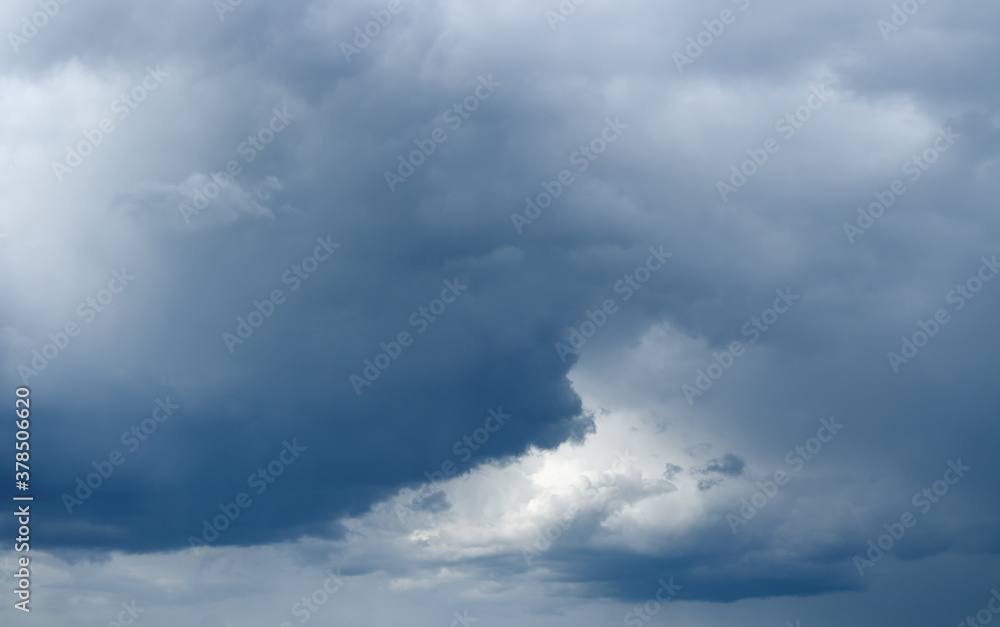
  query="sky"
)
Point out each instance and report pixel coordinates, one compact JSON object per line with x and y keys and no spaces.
{"x":515,"y":313}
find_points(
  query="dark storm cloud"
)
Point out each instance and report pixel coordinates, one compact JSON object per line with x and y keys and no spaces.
{"x":494,"y":344}
{"x":290,"y":379}
{"x":728,"y":466}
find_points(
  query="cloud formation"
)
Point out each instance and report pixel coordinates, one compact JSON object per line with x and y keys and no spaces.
{"x":660,"y":242}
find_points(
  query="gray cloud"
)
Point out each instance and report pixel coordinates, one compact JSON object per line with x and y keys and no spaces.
{"x":323,"y":175}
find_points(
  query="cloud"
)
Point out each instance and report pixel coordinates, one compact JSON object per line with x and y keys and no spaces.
{"x":606,"y":476}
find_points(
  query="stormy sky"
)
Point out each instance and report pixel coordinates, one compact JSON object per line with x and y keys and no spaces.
{"x":514,"y":313}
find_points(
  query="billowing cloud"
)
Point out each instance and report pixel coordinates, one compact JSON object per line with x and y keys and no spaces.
{"x":502,"y":304}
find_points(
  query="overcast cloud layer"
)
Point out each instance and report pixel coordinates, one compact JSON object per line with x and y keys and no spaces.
{"x":533,"y":313}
